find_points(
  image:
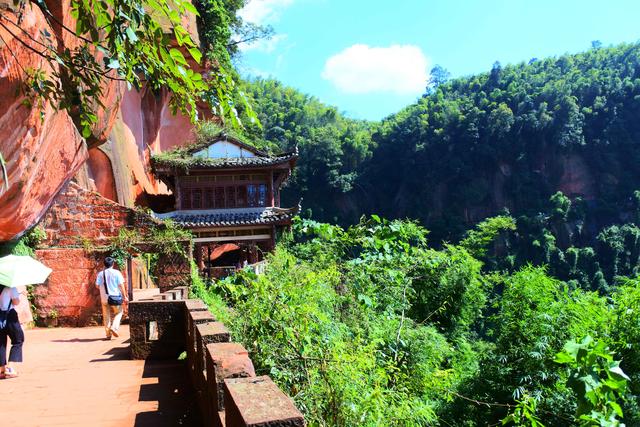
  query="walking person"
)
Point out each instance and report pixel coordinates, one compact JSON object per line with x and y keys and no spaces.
{"x":10,"y":327}
{"x":112,"y":295}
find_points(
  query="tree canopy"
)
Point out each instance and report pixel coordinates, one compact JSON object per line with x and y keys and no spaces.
{"x":371,"y":326}
{"x":139,"y":42}
{"x":551,"y":143}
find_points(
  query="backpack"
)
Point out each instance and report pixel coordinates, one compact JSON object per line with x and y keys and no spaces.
{"x":4,"y":314}
{"x":111,"y":300}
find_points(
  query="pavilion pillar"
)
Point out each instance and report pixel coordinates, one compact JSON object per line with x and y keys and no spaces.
{"x":253,"y":254}
{"x":272,"y":241}
{"x":199,"y":261}
{"x":209,"y":261}
{"x":130,"y":278}
{"x":271,"y":198}
{"x":178,"y":194}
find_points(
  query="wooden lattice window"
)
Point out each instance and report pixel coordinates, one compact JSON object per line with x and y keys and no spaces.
{"x":262,"y":195}
{"x":186,"y":198}
{"x":241,"y":196}
{"x":196,"y":198}
{"x":231,"y":197}
{"x":224,"y":191}
{"x":219,"y":198}
{"x":209,"y":199}
{"x":252,"y":195}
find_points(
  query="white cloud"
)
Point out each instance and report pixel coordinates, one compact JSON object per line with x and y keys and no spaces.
{"x":263,"y":12}
{"x":399,"y":69}
{"x":255,"y":72}
{"x":264,"y":45}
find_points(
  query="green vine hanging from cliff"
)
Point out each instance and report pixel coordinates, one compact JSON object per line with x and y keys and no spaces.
{"x":139,"y":42}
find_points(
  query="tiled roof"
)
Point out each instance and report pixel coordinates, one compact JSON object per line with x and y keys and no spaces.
{"x":230,"y":217}
{"x":190,"y":162}
{"x":227,"y":162}
{"x":224,"y":136}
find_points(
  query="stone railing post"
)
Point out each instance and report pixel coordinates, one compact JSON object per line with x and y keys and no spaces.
{"x":258,"y":402}
{"x":227,"y":389}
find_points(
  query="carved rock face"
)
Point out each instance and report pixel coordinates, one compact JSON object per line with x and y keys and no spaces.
{"x":144,"y":125}
{"x":41,"y":147}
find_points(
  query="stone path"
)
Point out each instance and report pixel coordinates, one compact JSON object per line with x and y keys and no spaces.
{"x":74,"y":377}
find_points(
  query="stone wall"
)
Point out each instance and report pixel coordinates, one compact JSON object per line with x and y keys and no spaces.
{"x":228,"y":391}
{"x":172,"y":272}
{"x":155,"y":327}
{"x":69,"y":296}
{"x":79,"y":224}
{"x":79,"y":217}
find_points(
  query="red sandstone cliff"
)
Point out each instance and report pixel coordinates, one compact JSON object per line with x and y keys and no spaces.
{"x":42,"y":147}
{"x":144,"y":125}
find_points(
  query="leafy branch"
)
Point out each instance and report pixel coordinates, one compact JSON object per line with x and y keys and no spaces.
{"x":597,"y":380}
{"x":140,"y":42}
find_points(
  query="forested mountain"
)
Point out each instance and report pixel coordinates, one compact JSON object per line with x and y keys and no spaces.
{"x":332,"y":148}
{"x":511,"y":138}
{"x":505,"y":141}
{"x":511,"y":297}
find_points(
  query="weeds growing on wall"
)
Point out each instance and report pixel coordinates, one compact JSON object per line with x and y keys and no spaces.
{"x":206,"y":133}
{"x":26,"y":245}
{"x":165,"y":239}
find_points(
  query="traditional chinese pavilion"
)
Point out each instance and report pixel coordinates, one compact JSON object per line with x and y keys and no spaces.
{"x":228,"y":194}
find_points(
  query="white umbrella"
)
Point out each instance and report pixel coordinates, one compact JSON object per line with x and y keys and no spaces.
{"x":22,"y":270}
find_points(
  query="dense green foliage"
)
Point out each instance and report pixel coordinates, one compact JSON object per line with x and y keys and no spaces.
{"x":561,"y":238}
{"x":112,"y":40}
{"x":509,"y":138}
{"x":503,"y":142}
{"x":597,"y":380}
{"x":221,"y":31}
{"x":140,"y":42}
{"x":371,"y":326}
{"x":332,"y":147}
{"x":26,"y":245}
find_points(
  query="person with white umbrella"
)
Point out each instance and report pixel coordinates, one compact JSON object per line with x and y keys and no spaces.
{"x":15,"y":271}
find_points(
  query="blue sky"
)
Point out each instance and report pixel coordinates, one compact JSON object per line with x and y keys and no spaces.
{"x":371,"y":58}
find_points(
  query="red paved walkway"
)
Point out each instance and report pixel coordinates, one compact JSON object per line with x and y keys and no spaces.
{"x":73,"y":377}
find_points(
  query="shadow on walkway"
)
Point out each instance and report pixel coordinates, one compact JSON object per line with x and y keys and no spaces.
{"x":173,"y":392}
{"x":115,"y":354}
{"x":80,"y":340}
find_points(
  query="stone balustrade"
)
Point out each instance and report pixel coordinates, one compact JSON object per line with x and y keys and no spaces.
{"x":228,"y":391}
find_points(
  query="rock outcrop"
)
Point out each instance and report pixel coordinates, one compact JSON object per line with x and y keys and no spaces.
{"x":40,"y":145}
{"x":144,"y":125}
{"x":43,"y":151}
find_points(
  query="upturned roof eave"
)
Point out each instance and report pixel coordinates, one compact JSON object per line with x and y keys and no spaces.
{"x":167,"y":168}
{"x":277,"y":216}
{"x":214,"y":225}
